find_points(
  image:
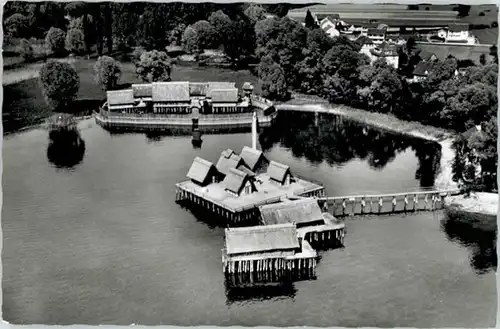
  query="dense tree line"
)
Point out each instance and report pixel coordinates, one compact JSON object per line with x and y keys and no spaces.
{"x":153,"y":26}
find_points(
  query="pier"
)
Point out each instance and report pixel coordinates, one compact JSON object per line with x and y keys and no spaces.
{"x":318,"y":228}
{"x":386,"y":203}
{"x":266,"y":254}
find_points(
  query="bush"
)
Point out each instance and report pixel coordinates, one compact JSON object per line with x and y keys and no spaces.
{"x":481,"y":13}
{"x":107,"y":72}
{"x":15,"y":26}
{"x":54,"y":41}
{"x":136,"y":54}
{"x":25,"y":50}
{"x":75,"y":41}
{"x":154,"y":66}
{"x":60,"y":84}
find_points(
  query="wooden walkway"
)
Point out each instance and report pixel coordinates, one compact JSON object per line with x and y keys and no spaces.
{"x":385,"y":203}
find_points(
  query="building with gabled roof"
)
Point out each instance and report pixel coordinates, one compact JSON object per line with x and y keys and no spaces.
{"x":421,"y":71}
{"x":237,"y":182}
{"x":299,"y":212}
{"x":262,"y":239}
{"x":312,"y":224}
{"x":254,"y":159}
{"x":171,"y":97}
{"x":143,"y":91}
{"x":120,"y":99}
{"x":458,"y":32}
{"x":203,"y":172}
{"x":279,"y":173}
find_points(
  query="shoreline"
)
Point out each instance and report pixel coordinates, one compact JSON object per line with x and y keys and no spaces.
{"x":477,"y":203}
{"x":444,"y":178}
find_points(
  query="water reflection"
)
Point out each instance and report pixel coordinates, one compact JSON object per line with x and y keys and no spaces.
{"x":66,"y":148}
{"x":478,"y":234}
{"x":337,"y":141}
{"x":259,"y":293}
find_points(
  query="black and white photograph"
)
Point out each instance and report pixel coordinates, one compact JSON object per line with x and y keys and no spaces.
{"x":319,"y":164}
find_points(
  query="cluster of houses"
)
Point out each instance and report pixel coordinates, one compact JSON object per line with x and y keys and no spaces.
{"x":334,"y":26}
{"x":379,"y":43}
{"x":181,"y":97}
{"x":289,"y":219}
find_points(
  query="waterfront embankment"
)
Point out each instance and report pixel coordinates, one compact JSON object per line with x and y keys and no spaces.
{"x":475,"y":203}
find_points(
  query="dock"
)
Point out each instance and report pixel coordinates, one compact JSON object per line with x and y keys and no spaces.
{"x":241,"y":183}
{"x":318,"y":228}
{"x":393,"y":203}
{"x":268,"y":253}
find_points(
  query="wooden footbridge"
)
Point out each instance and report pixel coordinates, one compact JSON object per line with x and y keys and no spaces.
{"x":406,"y":202}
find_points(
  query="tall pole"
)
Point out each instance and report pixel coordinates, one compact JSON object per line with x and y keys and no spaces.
{"x":254,"y":130}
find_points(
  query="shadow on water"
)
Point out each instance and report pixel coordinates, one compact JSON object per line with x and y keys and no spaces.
{"x":337,"y":141}
{"x":259,"y":293}
{"x":66,"y":149}
{"x":478,"y":233}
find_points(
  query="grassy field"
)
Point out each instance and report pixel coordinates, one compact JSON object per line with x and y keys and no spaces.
{"x":24,"y":103}
{"x":459,"y":52}
{"x":487,"y":36}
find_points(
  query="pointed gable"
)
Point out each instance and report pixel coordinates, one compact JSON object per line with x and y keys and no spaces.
{"x":200,"y":170}
{"x":228,"y":159}
{"x":278,"y":171}
{"x":252,"y":157}
{"x":234,"y":181}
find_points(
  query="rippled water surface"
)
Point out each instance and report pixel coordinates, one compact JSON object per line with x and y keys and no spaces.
{"x":92,"y":235}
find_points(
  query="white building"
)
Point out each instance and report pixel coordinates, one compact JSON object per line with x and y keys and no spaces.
{"x":458,"y":33}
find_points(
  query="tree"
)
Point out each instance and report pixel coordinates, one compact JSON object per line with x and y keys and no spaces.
{"x":154,"y":66}
{"x":75,"y":41}
{"x":75,"y":9}
{"x":239,"y":43}
{"x":107,"y":72}
{"x":310,"y":23}
{"x":255,"y":13}
{"x":482,"y":59}
{"x":60,"y":84}
{"x":272,"y":79}
{"x":221,"y":25}
{"x":175,"y":36}
{"x":16,"y":26}
{"x":190,"y":41}
{"x":463,"y":10}
{"x":54,"y":41}
{"x":205,"y":35}
{"x":25,"y":49}
{"x":123,"y":14}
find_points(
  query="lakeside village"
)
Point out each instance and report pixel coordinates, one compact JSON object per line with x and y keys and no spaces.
{"x":277,"y":220}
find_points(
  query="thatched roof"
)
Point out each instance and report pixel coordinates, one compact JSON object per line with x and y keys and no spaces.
{"x":224,"y":95}
{"x":171,"y":91}
{"x":214,"y":85}
{"x":423,"y":68}
{"x":257,"y":239}
{"x":251,"y":157}
{"x":198,"y":88}
{"x":120,"y":97}
{"x":277,"y":171}
{"x":297,"y":211}
{"x":228,"y":159}
{"x":234,"y":180}
{"x":142,"y":90}
{"x":200,"y":170}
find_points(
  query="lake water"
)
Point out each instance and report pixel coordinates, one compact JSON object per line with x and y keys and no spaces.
{"x":92,"y":235}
